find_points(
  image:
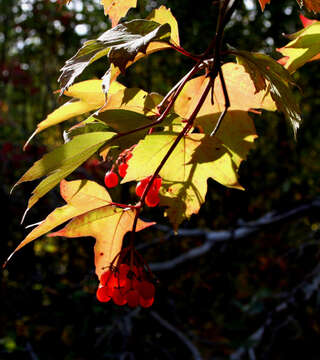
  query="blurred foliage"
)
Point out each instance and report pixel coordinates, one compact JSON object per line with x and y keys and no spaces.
{"x":48,"y":305}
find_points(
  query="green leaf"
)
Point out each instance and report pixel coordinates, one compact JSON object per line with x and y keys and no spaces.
{"x":59,"y":163}
{"x":304,"y":47}
{"x":262,"y":68}
{"x":121,"y":44}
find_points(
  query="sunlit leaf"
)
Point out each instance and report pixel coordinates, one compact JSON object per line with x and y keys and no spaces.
{"x":88,"y":96}
{"x":196,"y":158}
{"x":116,"y":9}
{"x":241,"y":91}
{"x":277,"y":79}
{"x":81,"y":196}
{"x":63,"y":160}
{"x":304,"y":47}
{"x":107,"y":225}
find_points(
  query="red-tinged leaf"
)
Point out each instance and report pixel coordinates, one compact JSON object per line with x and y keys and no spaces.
{"x":107,"y":225}
{"x":304,"y":47}
{"x":263,"y":3}
{"x":311,"y":5}
{"x":116,"y":9}
{"x":305,"y":21}
{"x":81,"y":196}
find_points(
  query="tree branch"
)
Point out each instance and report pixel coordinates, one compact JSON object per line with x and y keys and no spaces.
{"x":244,"y":230}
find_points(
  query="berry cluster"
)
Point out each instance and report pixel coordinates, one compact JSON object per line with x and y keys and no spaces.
{"x":152,"y":198}
{"x":126,"y":284}
{"x":111,"y":178}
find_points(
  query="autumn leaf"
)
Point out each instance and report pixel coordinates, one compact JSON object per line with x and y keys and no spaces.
{"x":81,"y":196}
{"x":88,"y":205}
{"x":184,"y":179}
{"x":263,"y":3}
{"x":241,"y":91}
{"x":312,"y":5}
{"x":108,"y":225}
{"x":120,"y":44}
{"x":116,"y":9}
{"x":263,"y":69}
{"x":304,"y":47}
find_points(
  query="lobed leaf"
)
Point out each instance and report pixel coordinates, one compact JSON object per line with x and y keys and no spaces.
{"x":81,"y":196}
{"x":196,"y":158}
{"x":108,"y":225}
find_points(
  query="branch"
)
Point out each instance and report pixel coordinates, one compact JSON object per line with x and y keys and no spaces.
{"x":244,"y":230}
{"x":310,"y":285}
{"x":195,"y":352}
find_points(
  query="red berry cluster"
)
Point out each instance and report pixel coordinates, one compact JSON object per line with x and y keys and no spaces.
{"x":111,"y":178}
{"x":152,"y":198}
{"x":126,"y":284}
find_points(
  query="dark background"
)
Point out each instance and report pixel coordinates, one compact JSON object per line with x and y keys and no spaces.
{"x":255,"y":297}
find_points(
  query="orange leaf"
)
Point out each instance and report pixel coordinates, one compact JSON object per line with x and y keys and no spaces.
{"x":263,"y":3}
{"x":312,"y":5}
{"x":81,"y":196}
{"x":108,"y":225}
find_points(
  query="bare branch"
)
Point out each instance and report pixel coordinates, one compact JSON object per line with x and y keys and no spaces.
{"x":195,"y":352}
{"x":244,"y":230}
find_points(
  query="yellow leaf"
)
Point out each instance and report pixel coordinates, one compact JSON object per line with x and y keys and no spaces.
{"x":116,"y":9}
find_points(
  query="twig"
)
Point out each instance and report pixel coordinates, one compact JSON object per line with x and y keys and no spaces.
{"x":195,"y":352}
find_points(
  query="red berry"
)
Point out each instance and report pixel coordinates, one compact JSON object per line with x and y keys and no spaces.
{"x":122,"y":169}
{"x":145,"y":303}
{"x":105,"y":278}
{"x":111,"y":179}
{"x":118,"y":297}
{"x":102,"y":294}
{"x":152,"y":199}
{"x":132,"y":297}
{"x":157,"y":183}
{"x":141,"y":186}
{"x":146,"y":289}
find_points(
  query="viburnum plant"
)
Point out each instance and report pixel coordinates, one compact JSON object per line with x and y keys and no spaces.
{"x":168,"y":146}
